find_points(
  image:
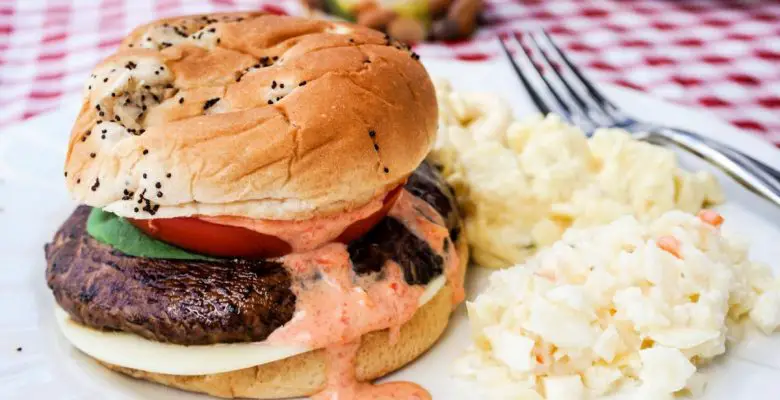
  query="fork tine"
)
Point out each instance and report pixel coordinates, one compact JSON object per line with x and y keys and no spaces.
{"x":542,"y":105}
{"x":606,"y":106}
{"x":567,"y":95}
{"x":552,"y":95}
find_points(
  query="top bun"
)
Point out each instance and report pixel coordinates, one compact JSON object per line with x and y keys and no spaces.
{"x":252,"y":115}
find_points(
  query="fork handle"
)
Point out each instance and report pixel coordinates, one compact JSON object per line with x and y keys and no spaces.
{"x":740,"y":156}
{"x":750,"y":173}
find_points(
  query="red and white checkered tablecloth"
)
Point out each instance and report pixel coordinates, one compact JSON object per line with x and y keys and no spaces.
{"x":719,"y":54}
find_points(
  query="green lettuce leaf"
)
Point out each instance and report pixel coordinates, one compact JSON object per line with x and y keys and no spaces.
{"x":116,"y":232}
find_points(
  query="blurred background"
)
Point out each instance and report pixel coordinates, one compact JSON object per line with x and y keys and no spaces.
{"x":718,"y":54}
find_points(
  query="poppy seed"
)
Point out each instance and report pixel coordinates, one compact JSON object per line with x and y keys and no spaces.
{"x":209,"y":103}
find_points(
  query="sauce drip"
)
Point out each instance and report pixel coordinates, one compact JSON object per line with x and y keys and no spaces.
{"x":334,"y":305}
{"x":342,"y":382}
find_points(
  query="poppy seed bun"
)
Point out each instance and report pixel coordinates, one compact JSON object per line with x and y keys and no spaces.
{"x":251,"y":115}
{"x":305,"y":374}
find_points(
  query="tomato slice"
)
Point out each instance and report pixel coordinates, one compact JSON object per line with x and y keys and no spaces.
{"x":361,"y":227}
{"x":211,"y":239}
{"x":197,"y":235}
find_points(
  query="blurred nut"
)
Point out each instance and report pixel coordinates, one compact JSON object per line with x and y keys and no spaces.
{"x":464,"y":13}
{"x":364,"y":5}
{"x":406,"y":30}
{"x":376,"y":18}
{"x":436,"y":7}
{"x":445,"y":29}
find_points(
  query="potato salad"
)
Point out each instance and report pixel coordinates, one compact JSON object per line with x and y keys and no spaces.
{"x":522,"y":184}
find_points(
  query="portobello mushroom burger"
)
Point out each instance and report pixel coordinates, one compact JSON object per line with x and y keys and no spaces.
{"x":257,"y":217}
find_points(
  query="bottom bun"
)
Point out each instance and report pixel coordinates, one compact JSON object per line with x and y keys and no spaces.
{"x":305,"y":374}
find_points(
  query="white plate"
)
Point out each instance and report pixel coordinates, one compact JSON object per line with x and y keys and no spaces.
{"x":33,"y":202}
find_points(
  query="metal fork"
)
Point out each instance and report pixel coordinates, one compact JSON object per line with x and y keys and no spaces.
{"x":576,"y":99}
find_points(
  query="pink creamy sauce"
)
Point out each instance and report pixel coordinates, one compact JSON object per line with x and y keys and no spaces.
{"x":342,"y":306}
{"x":307,"y":234}
{"x":343,"y":385}
{"x":335,"y":307}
